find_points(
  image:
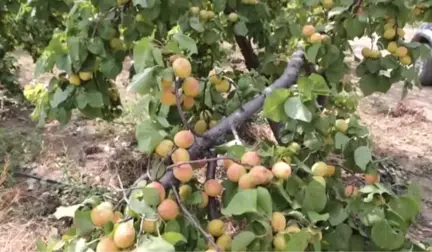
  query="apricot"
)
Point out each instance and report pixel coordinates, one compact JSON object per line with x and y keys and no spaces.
{"x":166,"y":84}
{"x":372,"y":178}
{"x":188,"y":102}
{"x":351,"y":191}
{"x":214,"y":78}
{"x":308,"y":30}
{"x":406,"y":60}
{"x":102,"y":214}
{"x":213,"y":188}
{"x":124,"y":235}
{"x":180,"y":155}
{"x":85,"y":76}
{"x":294,"y":147}
{"x":260,"y":175}
{"x":212,"y":123}
{"x":164,"y":148}
{"x":74,"y":79}
{"x":375,"y":54}
{"x":281,"y":170}
{"x":200,"y":127}
{"x":182,"y":67}
{"x":224,"y":242}
{"x":279,"y":242}
{"x":392,"y":46}
{"x":106,"y":244}
{"x":327,"y":4}
{"x":223,"y":86}
{"x":245,"y":182}
{"x":149,"y":225}
{"x":205,"y":200}
{"x":116,"y":43}
{"x":184,"y":139}
{"x":320,"y":180}
{"x":319,"y":169}
{"x":315,"y":38}
{"x":278,"y":222}
{"x":401,"y":51}
{"x":366,"y":52}
{"x":160,"y":188}
{"x":190,"y":87}
{"x":168,"y":209}
{"x":185,"y":191}
{"x":400,"y":32}
{"x":227,"y":163}
{"x":216,"y":227}
{"x":331,"y":170}
{"x":293,"y":228}
{"x":203,"y":15}
{"x":183,"y":173}
{"x":117,"y":217}
{"x":389,"y":33}
{"x":168,"y":97}
{"x":250,"y":158}
{"x":233,"y":17}
{"x":210,"y":15}
{"x":341,"y":125}
{"x":235,"y":172}
{"x":194,"y":10}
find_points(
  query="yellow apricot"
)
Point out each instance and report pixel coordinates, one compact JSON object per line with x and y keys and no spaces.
{"x":180,"y":155}
{"x":182,"y":67}
{"x":213,"y":188}
{"x":278,"y":222}
{"x":183,"y":173}
{"x":164,"y":148}
{"x":216,"y":227}
{"x":235,"y":172}
{"x":184,"y":139}
{"x":190,"y":87}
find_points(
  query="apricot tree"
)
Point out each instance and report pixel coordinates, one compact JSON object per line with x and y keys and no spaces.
{"x":282,"y":194}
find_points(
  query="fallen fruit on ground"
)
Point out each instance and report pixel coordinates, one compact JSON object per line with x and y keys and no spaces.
{"x":102,"y":214}
{"x":216,"y":227}
{"x":124,"y":235}
{"x":168,"y":210}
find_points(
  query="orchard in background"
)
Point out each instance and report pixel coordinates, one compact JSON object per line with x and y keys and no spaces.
{"x":283,"y":195}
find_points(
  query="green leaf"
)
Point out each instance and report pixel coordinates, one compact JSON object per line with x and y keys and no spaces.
{"x":316,"y":217}
{"x":173,"y":226}
{"x":295,"y":109}
{"x":354,"y":28}
{"x":151,"y":196}
{"x":244,"y":201}
{"x":274,"y":104}
{"x":61,"y":95}
{"x":149,"y":135}
{"x":186,"y":42}
{"x":143,"y":82}
{"x":312,"y":52}
{"x":242,"y":240}
{"x":143,"y":55}
{"x":340,"y":237}
{"x":340,"y":140}
{"x":362,"y":157}
{"x":405,"y":206}
{"x":385,"y":237}
{"x":96,"y":46}
{"x":111,"y":68}
{"x":373,"y":65}
{"x":219,"y":5}
{"x":40,"y":245}
{"x":94,"y":99}
{"x":82,"y":222}
{"x":240,"y":28}
{"x":315,"y":197}
{"x":357,"y":243}
{"x":139,"y":206}
{"x":173,"y":238}
{"x":157,"y":55}
{"x":154,"y":244}
{"x":337,"y":213}
{"x":298,"y":241}
{"x":264,"y":201}
{"x":319,"y":85}
{"x":195,"y":23}
{"x":77,"y":50}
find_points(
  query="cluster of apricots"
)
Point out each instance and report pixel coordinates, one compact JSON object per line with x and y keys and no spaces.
{"x":76,"y":79}
{"x":314,"y":37}
{"x":204,"y":123}
{"x":221,"y":84}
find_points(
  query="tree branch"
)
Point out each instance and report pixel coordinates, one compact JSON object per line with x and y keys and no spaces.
{"x":213,"y":204}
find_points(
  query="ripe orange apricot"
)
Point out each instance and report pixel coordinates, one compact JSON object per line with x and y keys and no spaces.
{"x":102,"y":214}
{"x":149,"y":225}
{"x":191,"y":87}
{"x":205,"y":200}
{"x":331,"y":170}
{"x":216,"y":227}
{"x":180,"y":155}
{"x":166,"y":84}
{"x":160,"y":188}
{"x":182,"y":67}
{"x":245,"y":182}
{"x":235,"y":172}
{"x":124,"y":235}
{"x":260,"y":175}
{"x":168,"y":210}
{"x":164,"y":148}
{"x":183,"y":173}
{"x":106,"y":244}
{"x":372,"y":178}
{"x":184,"y":139}
{"x":250,"y":158}
{"x":168,"y":97}
{"x":278,"y":222}
{"x":227,"y":163}
{"x":351,"y":191}
{"x":188,"y":102}
{"x":316,"y":38}
{"x":308,"y":30}
{"x":213,"y":188}
{"x":281,"y":170}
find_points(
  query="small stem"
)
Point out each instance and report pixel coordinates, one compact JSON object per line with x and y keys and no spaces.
{"x":192,"y":219}
{"x":178,"y":83}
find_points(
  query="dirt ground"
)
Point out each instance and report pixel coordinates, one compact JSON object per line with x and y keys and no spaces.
{"x":98,"y":153}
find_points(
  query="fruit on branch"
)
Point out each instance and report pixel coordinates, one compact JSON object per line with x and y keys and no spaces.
{"x":294,"y":147}
{"x":406,"y":60}
{"x":166,"y":84}
{"x":223,"y":86}
{"x":124,"y":234}
{"x":351,"y":191}
{"x":315,"y":232}
{"x":278,"y":222}
{"x":233,"y":17}
{"x":117,"y":217}
{"x":214,"y":78}
{"x":308,"y":30}
{"x":85,"y":76}
{"x":180,"y":155}
{"x":389,"y":33}
{"x":216,"y":227}
{"x":319,"y":169}
{"x":401,"y":51}
{"x":205,"y":200}
{"x":211,"y":15}
{"x":227,"y":163}
{"x":194,"y":10}
{"x":185,"y":191}
{"x":188,"y":102}
{"x":281,"y":170}
{"x":184,"y":139}
{"x":102,"y":214}
{"x":375,"y":54}
{"x":327,"y":4}
{"x":245,"y":182}
{"x":366,"y":52}
{"x":279,"y":242}
{"x":116,"y":43}
{"x":190,"y":87}
{"x":200,"y":127}
{"x":213,"y":188}
{"x":160,"y":188}
{"x":400,"y":32}
{"x":164,"y":148}
{"x":168,"y":210}
{"x":224,"y":242}
{"x":168,"y":97}
{"x":392,"y":46}
{"x":183,"y":173}
{"x":371,"y":178}
{"x":260,"y":175}
{"x":149,"y":225}
{"x":293,"y":228}
{"x":74,"y":79}
{"x":182,"y":67}
{"x":250,"y":158}
{"x":320,"y":180}
{"x":331,"y":170}
{"x":203,"y":15}
{"x":315,"y":38}
{"x":341,"y":125}
{"x":106,"y":244}
{"x":235,"y":172}
{"x":212,"y":123}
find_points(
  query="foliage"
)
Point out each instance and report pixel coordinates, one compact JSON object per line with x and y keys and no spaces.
{"x":170,"y":42}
